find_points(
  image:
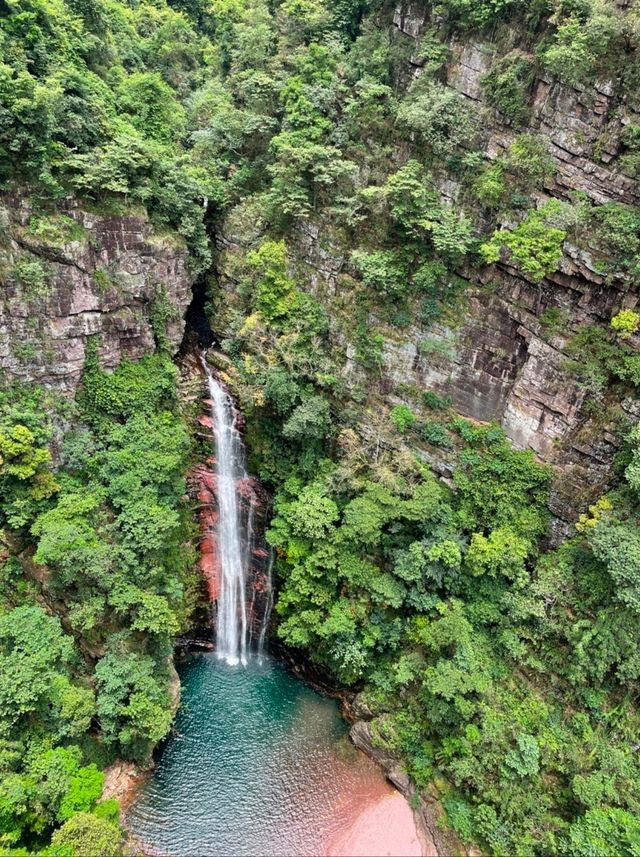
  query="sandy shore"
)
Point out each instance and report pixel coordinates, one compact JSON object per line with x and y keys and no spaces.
{"x":385,"y":827}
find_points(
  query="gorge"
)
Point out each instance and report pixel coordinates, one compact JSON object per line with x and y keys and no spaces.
{"x":248,"y":734}
{"x":320,"y":326}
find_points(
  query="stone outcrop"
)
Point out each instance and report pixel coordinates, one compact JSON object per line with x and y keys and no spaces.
{"x":70,"y":275}
{"x":500,"y":363}
{"x":121,"y":782}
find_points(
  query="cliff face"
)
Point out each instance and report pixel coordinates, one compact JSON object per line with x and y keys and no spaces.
{"x":495,"y":355}
{"x":503,"y":363}
{"x":71,"y":274}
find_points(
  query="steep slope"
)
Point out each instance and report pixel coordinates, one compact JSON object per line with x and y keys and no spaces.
{"x":415,"y":231}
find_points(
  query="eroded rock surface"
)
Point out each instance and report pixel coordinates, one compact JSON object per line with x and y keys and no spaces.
{"x":83,"y":275}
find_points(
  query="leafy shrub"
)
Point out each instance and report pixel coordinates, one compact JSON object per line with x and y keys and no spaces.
{"x":86,"y":835}
{"x":403,"y":417}
{"x":467,"y":14}
{"x":490,"y":187}
{"x":617,"y":229}
{"x":452,"y":235}
{"x":56,"y":230}
{"x":435,"y":433}
{"x":438,"y":115}
{"x":32,"y":276}
{"x":625,"y":323}
{"x":529,"y":160}
{"x":534,"y":246}
{"x":383,"y":271}
{"x":630,"y":159}
{"x":584,"y":44}
{"x":436,"y":402}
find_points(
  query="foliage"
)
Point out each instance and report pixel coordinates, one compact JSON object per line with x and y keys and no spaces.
{"x":403,"y":417}
{"x":625,"y":323}
{"x":105,"y":537}
{"x":533,"y":245}
{"x":86,"y":835}
{"x":503,"y":673}
{"x":586,"y":37}
{"x":466,"y":14}
{"x":438,"y":116}
{"x":507,"y":83}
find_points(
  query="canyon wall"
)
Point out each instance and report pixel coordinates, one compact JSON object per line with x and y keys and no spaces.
{"x":73,"y":274}
{"x":70,"y":274}
{"x":493,"y":354}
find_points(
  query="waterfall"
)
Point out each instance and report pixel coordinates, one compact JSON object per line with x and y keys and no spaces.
{"x":234,"y":536}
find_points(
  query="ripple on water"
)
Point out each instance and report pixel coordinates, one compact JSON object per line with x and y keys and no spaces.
{"x":259,"y":764}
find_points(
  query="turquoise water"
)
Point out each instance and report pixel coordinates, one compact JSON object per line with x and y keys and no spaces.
{"x":259,"y":764}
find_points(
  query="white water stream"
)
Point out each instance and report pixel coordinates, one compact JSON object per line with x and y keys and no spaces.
{"x":234,"y":531}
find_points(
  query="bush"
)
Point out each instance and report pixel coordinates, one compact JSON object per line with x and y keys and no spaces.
{"x":583,"y":46}
{"x":478,"y":14}
{"x":383,"y":271}
{"x":534,"y":246}
{"x":617,"y":228}
{"x":630,"y":159}
{"x":435,"y":433}
{"x":625,"y":323}
{"x":530,"y":162}
{"x":403,"y":417}
{"x":435,"y":402}
{"x":490,"y":187}
{"x":438,"y":116}
{"x":86,"y":835}
{"x":32,"y":276}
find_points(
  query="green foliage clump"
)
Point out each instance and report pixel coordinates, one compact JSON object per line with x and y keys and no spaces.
{"x":625,"y":323}
{"x":403,"y":417}
{"x":585,"y":42}
{"x":438,"y":116}
{"x":617,"y":228}
{"x":31,"y":276}
{"x":630,"y":159}
{"x":435,"y":433}
{"x":86,"y":835}
{"x":466,"y":15}
{"x":534,"y":245}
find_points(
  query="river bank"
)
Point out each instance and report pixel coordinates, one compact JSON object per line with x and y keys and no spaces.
{"x":383,"y":828}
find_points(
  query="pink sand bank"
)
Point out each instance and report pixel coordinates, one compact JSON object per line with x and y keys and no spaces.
{"x":384,"y":828}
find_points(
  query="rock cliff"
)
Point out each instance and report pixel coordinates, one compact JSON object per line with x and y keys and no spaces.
{"x":70,"y":274}
{"x":498,"y":356}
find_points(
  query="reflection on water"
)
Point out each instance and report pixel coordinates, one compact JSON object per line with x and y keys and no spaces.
{"x":259,"y":765}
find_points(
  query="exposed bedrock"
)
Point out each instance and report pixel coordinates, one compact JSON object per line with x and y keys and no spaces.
{"x":83,"y":274}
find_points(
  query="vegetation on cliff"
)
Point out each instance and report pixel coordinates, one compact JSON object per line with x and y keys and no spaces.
{"x":504,"y":672}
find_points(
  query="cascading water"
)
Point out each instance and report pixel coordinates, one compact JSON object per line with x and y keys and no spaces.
{"x":234,"y":537}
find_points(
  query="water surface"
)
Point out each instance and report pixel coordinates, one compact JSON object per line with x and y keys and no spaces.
{"x":259,"y":764}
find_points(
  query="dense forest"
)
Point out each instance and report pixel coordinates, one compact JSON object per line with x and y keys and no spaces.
{"x":418,"y":560}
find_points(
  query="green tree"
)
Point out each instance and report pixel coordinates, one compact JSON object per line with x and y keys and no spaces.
{"x":86,"y":835}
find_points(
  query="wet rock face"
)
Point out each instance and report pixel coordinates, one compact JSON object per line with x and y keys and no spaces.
{"x":71,"y":275}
